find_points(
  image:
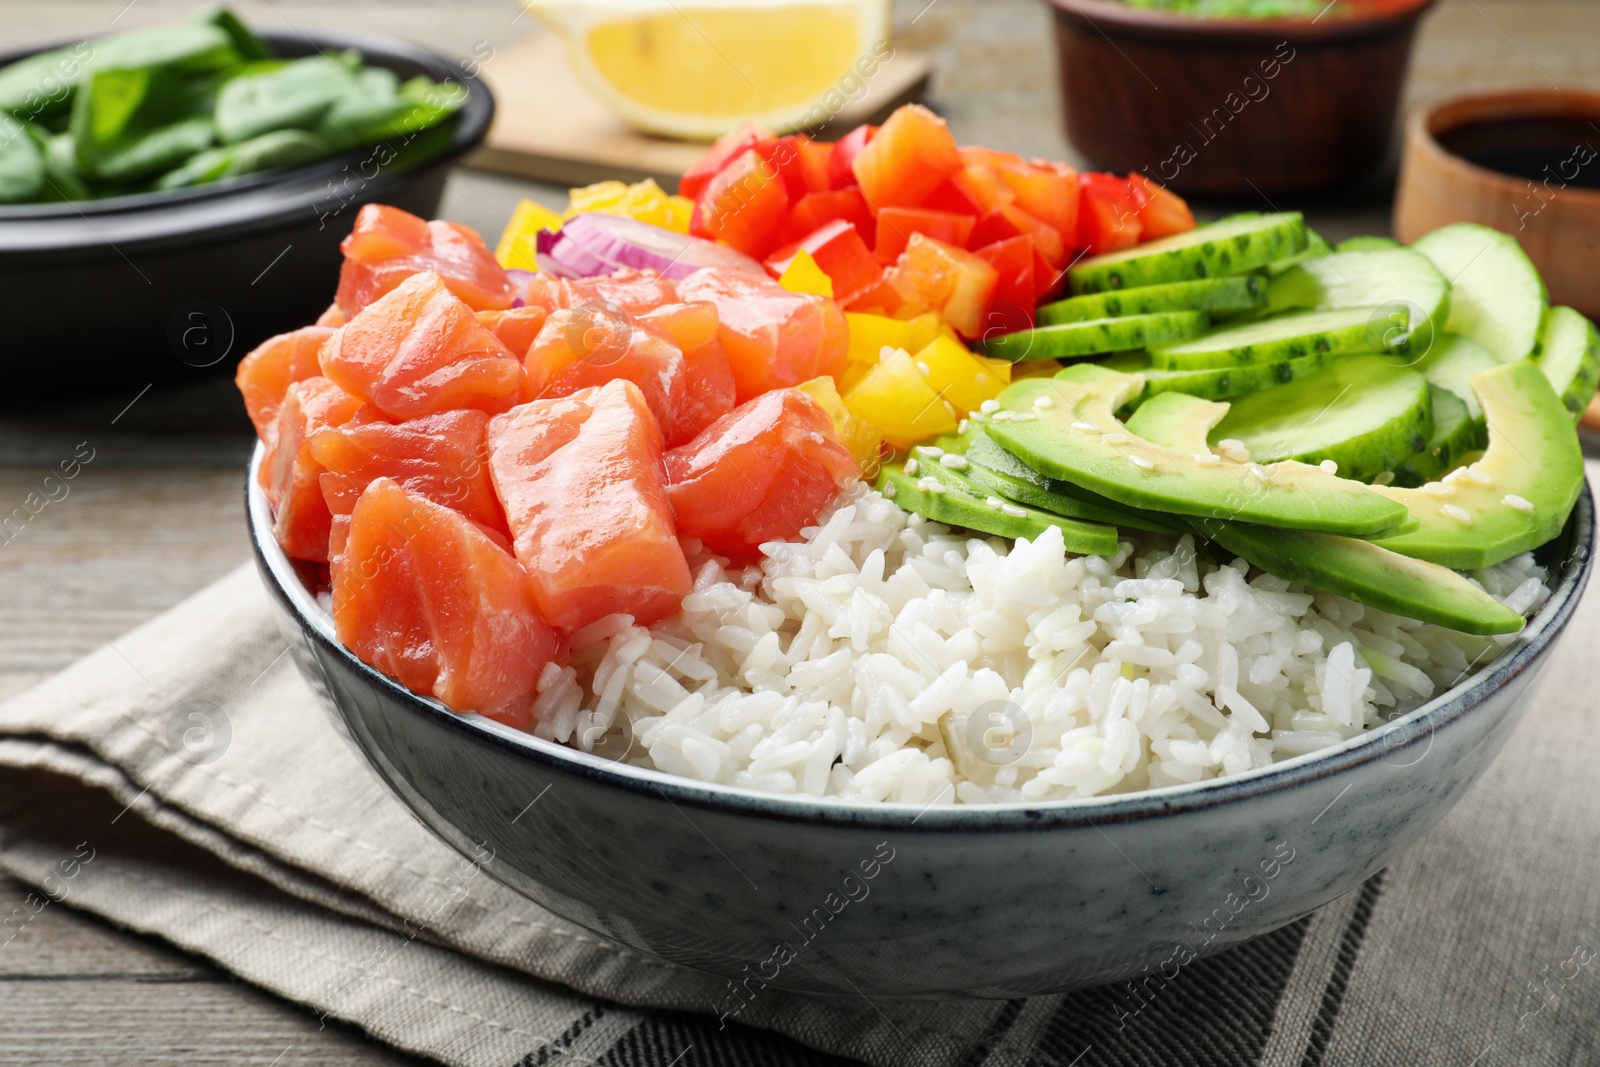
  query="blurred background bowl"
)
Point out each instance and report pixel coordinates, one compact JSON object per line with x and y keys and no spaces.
{"x":1233,"y":107}
{"x":161,"y":287}
{"x":1522,"y":161}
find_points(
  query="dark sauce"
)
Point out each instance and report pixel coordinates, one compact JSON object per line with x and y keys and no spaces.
{"x":1561,"y":151}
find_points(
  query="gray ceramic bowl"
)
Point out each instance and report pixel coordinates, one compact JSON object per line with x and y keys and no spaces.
{"x":893,"y":900}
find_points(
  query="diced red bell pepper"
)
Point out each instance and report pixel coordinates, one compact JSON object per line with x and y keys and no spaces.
{"x":723,"y":150}
{"x":816,"y":209}
{"x":897,"y":224}
{"x":933,"y":276}
{"x":1011,"y":306}
{"x":1164,"y":213}
{"x":1008,"y":221}
{"x":908,"y":159}
{"x":1047,"y":191}
{"x":840,"y":253}
{"x":802,"y":163}
{"x":743,"y":205}
{"x":841,"y":162}
{"x":1108,"y":213}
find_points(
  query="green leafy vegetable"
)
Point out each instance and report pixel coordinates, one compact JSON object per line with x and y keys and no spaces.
{"x":21,"y":163}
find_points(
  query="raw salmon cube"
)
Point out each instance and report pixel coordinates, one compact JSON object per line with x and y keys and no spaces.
{"x":265,"y":375}
{"x":424,"y":595}
{"x":389,"y":245}
{"x":762,"y":472}
{"x":516,"y":328}
{"x":419,"y":350}
{"x":443,"y":457}
{"x":290,"y":471}
{"x":773,"y":337}
{"x":582,"y":484}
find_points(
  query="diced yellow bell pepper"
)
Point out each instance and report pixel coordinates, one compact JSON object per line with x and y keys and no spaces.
{"x":870,"y":333}
{"x":923,"y":329}
{"x":802,"y":275}
{"x":601,"y":196}
{"x":679,"y":210}
{"x":517,"y":243}
{"x":957,"y":375}
{"x":895,"y":397}
{"x":862,"y":438}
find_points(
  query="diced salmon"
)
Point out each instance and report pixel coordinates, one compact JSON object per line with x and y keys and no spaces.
{"x":773,"y":337}
{"x":290,"y":471}
{"x":582,"y":348}
{"x":423,"y":595}
{"x":515,"y":327}
{"x":389,"y":245}
{"x":582,"y":484}
{"x":632,"y":291}
{"x":686,"y":325}
{"x":265,"y":375}
{"x":444,"y":457}
{"x":419,"y":350}
{"x":762,"y":472}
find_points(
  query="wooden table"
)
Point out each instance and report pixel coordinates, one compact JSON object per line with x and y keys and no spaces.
{"x":157,"y":514}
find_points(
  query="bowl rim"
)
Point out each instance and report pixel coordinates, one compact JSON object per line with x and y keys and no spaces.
{"x":1517,"y":102}
{"x":1151,"y":22}
{"x":200,"y":213}
{"x":1400,"y":735}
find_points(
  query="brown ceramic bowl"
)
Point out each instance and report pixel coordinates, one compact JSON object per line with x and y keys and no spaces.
{"x":1517,"y":161}
{"x":1233,"y":107}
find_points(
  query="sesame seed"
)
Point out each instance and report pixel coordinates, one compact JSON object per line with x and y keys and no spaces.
{"x":923,"y":367}
{"x":1023,"y":416}
{"x":911,"y":466}
{"x":1330,"y":466}
{"x":930,"y":485}
{"x":1461,"y":515}
{"x":994,"y":502}
{"x":1142,"y":463}
{"x":1014,"y":511}
{"x":1384,"y":478}
{"x":889,"y":489}
{"x":1114,"y":438}
{"x":1260,"y":473}
{"x":1085,"y":427}
{"x":1518,"y":503}
{"x":1441,"y":489}
{"x":1456,"y":475}
{"x":1207,"y":459}
{"x":954,"y":462}
{"x":1479,"y":476}
{"x":932,"y":451}
{"x":1043,"y":402}
{"x":989,"y":407}
{"x":1002,"y":416}
{"x":961,"y":427}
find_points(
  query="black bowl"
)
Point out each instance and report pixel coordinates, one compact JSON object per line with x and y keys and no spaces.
{"x":162,"y":287}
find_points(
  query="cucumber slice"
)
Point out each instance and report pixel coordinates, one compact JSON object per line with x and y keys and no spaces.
{"x":1316,"y":247}
{"x":1095,"y":337}
{"x":1217,"y":384}
{"x":1366,"y":244}
{"x":1455,"y":433}
{"x":1364,"y":413}
{"x":1291,"y":336}
{"x":1243,"y":293}
{"x":1451,"y":364}
{"x":1229,"y":247}
{"x":944,"y":495}
{"x":1569,"y":355}
{"x":998,"y":471}
{"x":1367,"y":574}
{"x":1374,"y":278}
{"x":1496,"y":296}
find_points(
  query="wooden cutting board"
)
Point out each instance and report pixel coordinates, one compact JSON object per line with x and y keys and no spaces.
{"x":548,"y":127}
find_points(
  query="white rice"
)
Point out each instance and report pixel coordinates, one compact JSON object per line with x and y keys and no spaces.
{"x":885,"y":658}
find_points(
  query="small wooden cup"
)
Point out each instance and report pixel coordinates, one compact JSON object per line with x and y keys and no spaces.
{"x":1557,"y":223}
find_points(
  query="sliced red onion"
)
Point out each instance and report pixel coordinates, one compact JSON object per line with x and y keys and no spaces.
{"x":594,"y":244}
{"x":519,"y":284}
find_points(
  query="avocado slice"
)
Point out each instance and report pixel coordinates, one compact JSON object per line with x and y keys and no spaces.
{"x":930,"y":488}
{"x":997,"y":471}
{"x":1513,"y":499}
{"x":1065,"y":428}
{"x":1347,"y":566}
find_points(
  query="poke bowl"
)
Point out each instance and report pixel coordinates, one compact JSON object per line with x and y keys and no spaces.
{"x":187,"y":278}
{"x":1186,"y":603}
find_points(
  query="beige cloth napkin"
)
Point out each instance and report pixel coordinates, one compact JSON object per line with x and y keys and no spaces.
{"x":183,"y":782}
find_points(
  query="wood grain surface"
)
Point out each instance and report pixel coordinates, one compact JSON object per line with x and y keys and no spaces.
{"x":157,"y":514}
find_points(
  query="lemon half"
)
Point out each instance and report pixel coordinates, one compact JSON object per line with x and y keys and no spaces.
{"x":699,"y":68}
